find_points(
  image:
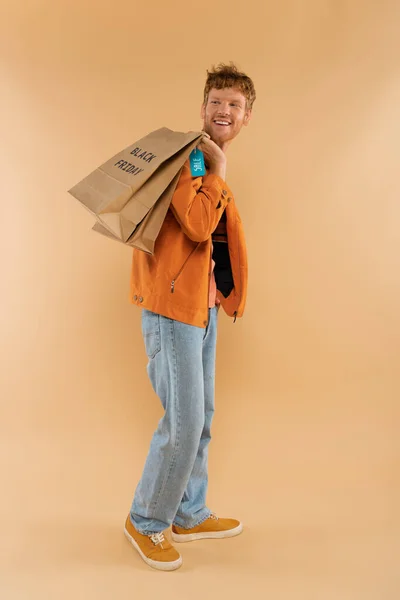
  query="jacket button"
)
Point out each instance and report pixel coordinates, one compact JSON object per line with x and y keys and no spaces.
{"x":229,"y":199}
{"x":135,"y":297}
{"x":205,"y":323}
{"x":140,"y":299}
{"x":224,"y":192}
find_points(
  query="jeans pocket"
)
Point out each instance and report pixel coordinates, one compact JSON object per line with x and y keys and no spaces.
{"x":151,"y":333}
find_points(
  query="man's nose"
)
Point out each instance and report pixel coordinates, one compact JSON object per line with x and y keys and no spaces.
{"x":223,"y":109}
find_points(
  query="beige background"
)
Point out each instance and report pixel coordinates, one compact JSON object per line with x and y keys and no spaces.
{"x":306,"y":447}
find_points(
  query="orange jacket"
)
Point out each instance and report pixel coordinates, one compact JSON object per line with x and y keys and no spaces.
{"x":175,"y":281}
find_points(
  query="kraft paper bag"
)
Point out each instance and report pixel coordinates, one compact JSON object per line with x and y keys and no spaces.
{"x":145,"y":235}
{"x":121,"y":192}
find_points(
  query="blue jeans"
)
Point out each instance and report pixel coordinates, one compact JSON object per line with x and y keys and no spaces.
{"x":181,"y":368}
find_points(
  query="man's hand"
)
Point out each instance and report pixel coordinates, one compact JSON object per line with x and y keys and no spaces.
{"x":214,"y":157}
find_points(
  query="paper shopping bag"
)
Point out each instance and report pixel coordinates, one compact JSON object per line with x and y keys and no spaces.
{"x":145,"y":234}
{"x":121,"y":192}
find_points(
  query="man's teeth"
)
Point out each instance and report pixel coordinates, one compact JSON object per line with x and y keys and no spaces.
{"x":222,"y":122}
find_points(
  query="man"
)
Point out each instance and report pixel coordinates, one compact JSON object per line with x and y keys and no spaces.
{"x":199,"y":263}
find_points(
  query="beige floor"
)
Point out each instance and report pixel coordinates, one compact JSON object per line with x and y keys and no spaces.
{"x":91,"y":560}
{"x":318,"y":496}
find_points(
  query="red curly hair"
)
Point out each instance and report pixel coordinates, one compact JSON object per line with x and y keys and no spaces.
{"x":229,"y":76}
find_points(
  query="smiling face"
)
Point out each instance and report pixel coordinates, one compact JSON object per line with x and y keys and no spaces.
{"x":224,"y":114}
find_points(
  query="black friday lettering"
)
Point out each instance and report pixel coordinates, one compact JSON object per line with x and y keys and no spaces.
{"x":140,"y":153}
{"x":124,"y":165}
{"x":128,"y":167}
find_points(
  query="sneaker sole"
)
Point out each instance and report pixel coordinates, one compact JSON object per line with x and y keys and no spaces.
{"x":155,"y":564}
{"x":207,"y":535}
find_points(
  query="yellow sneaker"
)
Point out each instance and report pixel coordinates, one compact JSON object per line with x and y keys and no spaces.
{"x":212,"y":528}
{"x":155,"y":550}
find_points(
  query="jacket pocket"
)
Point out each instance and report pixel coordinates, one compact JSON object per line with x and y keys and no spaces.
{"x":182,"y":267}
{"x":151,"y":331}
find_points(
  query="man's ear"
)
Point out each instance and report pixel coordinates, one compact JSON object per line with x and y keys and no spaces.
{"x":247,"y":117}
{"x":203,"y":111}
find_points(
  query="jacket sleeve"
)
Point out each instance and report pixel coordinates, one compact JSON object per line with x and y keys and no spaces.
{"x":198,"y":203}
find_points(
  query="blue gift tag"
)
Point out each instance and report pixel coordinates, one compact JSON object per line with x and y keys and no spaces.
{"x":197,"y":166}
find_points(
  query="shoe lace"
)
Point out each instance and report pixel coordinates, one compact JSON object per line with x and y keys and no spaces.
{"x":157,"y":538}
{"x":214,"y":516}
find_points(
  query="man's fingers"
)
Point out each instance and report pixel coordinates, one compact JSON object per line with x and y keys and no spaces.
{"x":203,"y":145}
